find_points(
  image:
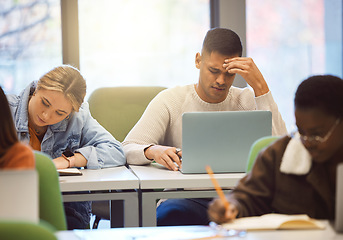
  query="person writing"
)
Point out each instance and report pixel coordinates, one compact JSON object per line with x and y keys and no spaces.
{"x":51,"y":116}
{"x":158,"y":134}
{"x":13,"y":154}
{"x":297,"y":173}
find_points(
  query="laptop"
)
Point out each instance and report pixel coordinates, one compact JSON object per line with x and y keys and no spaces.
{"x":19,"y":195}
{"x":339,"y":199}
{"x":221,"y":140}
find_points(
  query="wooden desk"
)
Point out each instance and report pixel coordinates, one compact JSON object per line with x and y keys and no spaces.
{"x":196,"y":232}
{"x":156,"y":177}
{"x":118,"y":183}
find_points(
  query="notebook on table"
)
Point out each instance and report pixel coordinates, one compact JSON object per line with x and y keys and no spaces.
{"x":339,"y":199}
{"x":274,"y":221}
{"x":19,"y":195}
{"x":221,"y":140}
{"x":69,"y":172}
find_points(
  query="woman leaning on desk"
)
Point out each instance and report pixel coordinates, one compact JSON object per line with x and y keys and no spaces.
{"x":50,"y":114}
{"x":13,"y":154}
{"x":296,"y":174}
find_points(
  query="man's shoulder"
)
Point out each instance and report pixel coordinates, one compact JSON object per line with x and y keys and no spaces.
{"x":175,"y":93}
{"x":178,"y":89}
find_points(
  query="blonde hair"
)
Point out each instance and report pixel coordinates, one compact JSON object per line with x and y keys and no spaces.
{"x":68,"y":80}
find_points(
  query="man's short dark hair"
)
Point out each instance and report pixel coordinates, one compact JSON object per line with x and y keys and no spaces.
{"x":223,"y":41}
{"x":324,"y":92}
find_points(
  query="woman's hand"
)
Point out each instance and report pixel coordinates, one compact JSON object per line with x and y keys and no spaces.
{"x":61,"y":163}
{"x":78,"y":161}
{"x":218,"y":214}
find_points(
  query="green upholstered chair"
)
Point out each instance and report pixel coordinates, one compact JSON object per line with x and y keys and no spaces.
{"x":256,"y":147}
{"x":15,"y":230}
{"x":51,"y":208}
{"x":118,"y":109}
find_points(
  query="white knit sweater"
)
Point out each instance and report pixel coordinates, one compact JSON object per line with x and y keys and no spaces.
{"x":161,"y":123}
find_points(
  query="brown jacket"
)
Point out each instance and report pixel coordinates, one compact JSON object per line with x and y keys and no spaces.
{"x":265,"y":189}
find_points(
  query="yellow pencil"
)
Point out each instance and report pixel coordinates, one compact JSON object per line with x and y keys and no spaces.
{"x":218,"y":188}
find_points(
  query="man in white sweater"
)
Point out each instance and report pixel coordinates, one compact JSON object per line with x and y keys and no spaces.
{"x":157,"y":135}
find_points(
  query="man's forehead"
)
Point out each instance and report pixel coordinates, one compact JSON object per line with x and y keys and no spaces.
{"x":216,"y":56}
{"x":216,"y":61}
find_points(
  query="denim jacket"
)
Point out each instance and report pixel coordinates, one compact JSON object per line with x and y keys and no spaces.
{"x":80,"y":133}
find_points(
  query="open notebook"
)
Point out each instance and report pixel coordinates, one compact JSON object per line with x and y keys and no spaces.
{"x":19,"y":195}
{"x":222,"y":139}
{"x":275,"y":221}
{"x":69,"y":172}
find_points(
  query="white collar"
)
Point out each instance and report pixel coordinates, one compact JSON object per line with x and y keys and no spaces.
{"x":296,"y":159}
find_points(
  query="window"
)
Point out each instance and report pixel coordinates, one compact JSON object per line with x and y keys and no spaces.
{"x":134,"y":42}
{"x":30,"y":41}
{"x":292,"y":40}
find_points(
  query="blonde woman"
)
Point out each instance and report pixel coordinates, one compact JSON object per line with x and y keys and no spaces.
{"x":50,"y":114}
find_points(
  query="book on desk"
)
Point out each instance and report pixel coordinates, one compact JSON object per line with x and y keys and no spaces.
{"x":69,"y":172}
{"x":275,"y":221}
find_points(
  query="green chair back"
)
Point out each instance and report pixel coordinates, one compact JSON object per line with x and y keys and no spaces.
{"x":118,"y":109}
{"x":51,"y":208}
{"x":256,"y":147}
{"x":15,"y":230}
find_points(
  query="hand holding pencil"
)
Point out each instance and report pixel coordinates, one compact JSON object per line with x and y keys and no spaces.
{"x":220,"y":210}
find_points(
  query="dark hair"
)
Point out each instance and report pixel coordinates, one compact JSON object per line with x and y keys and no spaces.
{"x":223,"y":41}
{"x":324,"y":92}
{"x":8,"y":133}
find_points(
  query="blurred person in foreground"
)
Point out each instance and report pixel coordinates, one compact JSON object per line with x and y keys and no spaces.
{"x":13,"y":154}
{"x":297,"y":173}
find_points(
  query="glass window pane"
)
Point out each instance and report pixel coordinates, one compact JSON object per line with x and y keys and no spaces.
{"x":134,"y":42}
{"x":292,"y":40}
{"x":30,"y":41}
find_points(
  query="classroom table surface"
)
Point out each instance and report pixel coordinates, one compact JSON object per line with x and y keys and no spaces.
{"x":100,"y":179}
{"x":197,"y":232}
{"x":116,"y":183}
{"x":156,"y":176}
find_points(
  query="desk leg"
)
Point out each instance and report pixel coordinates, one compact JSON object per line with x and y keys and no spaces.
{"x":117,"y":213}
{"x":131,"y":212}
{"x":148,"y":209}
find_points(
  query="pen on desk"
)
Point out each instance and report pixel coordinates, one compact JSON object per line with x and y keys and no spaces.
{"x":218,"y":188}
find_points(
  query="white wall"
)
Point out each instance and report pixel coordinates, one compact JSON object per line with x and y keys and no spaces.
{"x":232,"y":16}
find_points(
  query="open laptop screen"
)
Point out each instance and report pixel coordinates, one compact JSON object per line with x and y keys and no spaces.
{"x":19,"y":195}
{"x":221,"y":139}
